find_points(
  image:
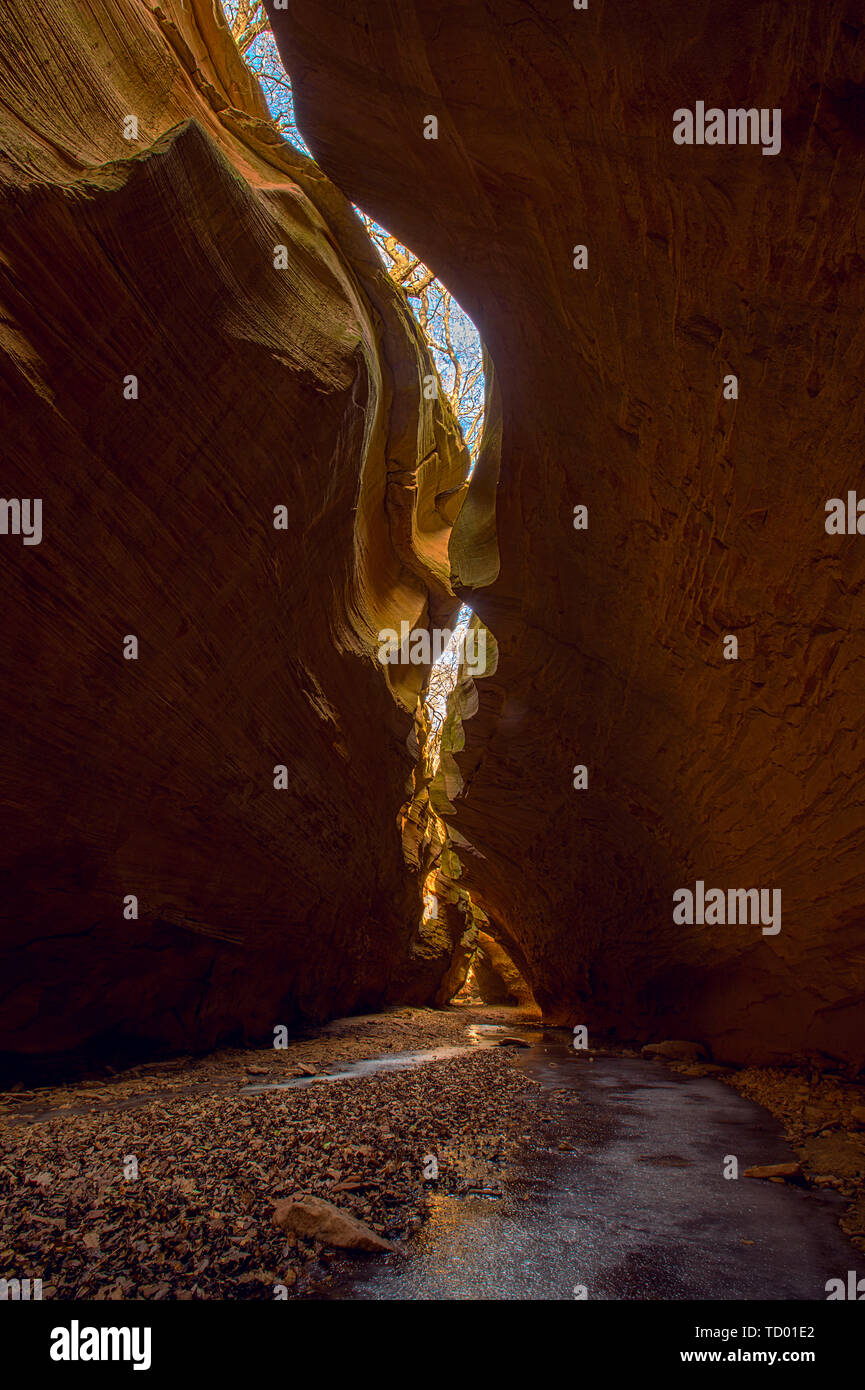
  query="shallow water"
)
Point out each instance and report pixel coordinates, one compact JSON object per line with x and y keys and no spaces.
{"x":388,"y":1061}
{"x":478,"y":1035}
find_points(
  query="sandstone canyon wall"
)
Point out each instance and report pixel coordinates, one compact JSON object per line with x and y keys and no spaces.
{"x":497,"y":978}
{"x":266,"y":378}
{"x":705,"y":514}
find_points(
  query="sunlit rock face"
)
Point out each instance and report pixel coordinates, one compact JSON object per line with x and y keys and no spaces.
{"x":266,"y":378}
{"x":705,"y":514}
{"x":498,"y":980}
{"x":449,"y":936}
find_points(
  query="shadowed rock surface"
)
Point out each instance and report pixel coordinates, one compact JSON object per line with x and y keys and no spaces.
{"x":258,"y":387}
{"x":706,"y":515}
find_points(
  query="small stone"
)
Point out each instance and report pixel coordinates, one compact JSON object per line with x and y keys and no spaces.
{"x":320,"y":1220}
{"x":775,"y":1172}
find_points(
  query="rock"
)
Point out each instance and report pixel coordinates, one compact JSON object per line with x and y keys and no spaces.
{"x":782,"y":1171}
{"x":512,"y":1042}
{"x":257,"y":1071}
{"x":858,"y":1114}
{"x":676,"y":1051}
{"x":454,"y":920}
{"x":320,"y":1220}
{"x":304,"y":384}
{"x":304,"y":1069}
{"x":296,"y":386}
{"x":697,"y":526}
{"x":498,"y":979}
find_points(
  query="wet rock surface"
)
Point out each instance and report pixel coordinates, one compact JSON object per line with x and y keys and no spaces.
{"x":621,"y":1195}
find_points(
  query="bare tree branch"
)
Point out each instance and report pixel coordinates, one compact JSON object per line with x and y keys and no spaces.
{"x":451,"y":337}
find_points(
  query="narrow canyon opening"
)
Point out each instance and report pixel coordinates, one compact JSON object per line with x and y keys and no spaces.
{"x":459,"y":650}
{"x":493,"y":978}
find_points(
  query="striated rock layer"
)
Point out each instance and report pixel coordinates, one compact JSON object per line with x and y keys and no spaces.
{"x":276,"y":367}
{"x":706,"y":514}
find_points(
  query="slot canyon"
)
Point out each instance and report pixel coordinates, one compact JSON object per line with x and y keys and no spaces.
{"x":256,"y":878}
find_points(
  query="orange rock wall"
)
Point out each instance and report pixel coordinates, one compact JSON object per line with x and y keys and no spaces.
{"x":258,"y":387}
{"x":706,"y":515}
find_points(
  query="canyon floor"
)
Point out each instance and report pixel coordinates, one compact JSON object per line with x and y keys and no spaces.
{"x":557,"y":1171}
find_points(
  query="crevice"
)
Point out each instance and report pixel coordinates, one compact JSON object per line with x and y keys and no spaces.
{"x":448,"y":646}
